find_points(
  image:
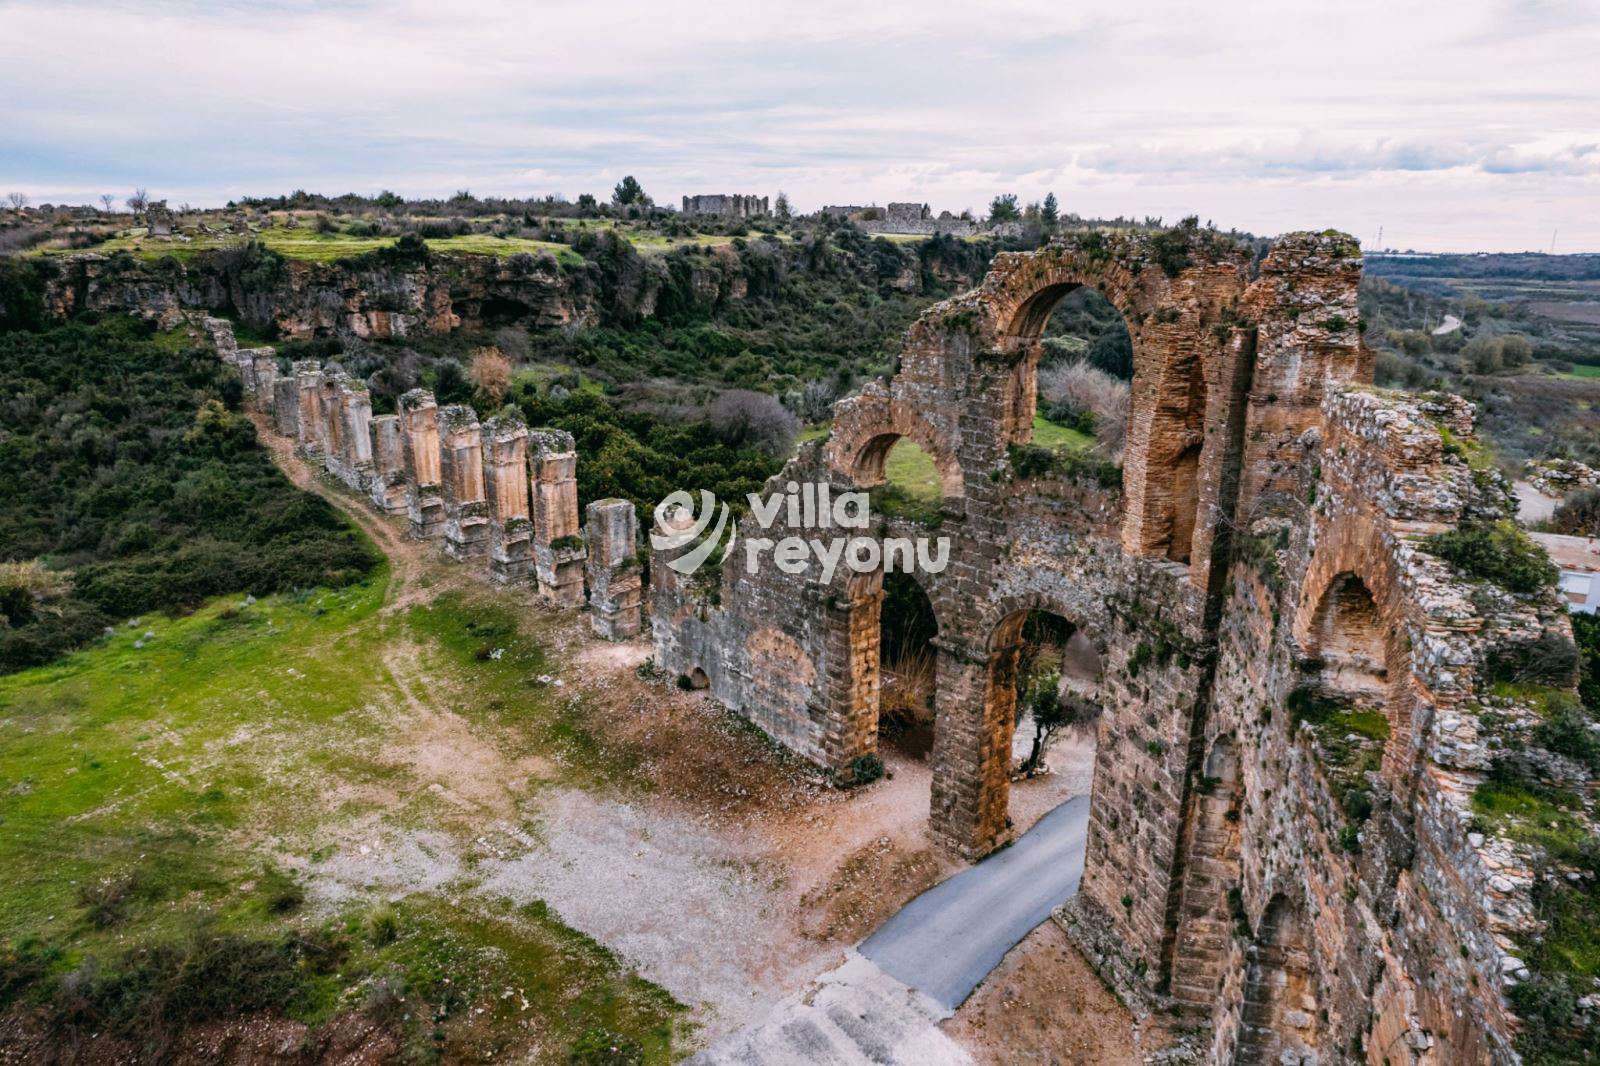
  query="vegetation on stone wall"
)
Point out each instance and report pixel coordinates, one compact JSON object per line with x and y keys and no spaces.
{"x":126,"y":468}
{"x":1519,"y":801}
{"x":1498,"y":552}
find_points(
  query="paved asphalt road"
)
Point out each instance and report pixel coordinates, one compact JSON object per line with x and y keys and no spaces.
{"x":945,"y":942}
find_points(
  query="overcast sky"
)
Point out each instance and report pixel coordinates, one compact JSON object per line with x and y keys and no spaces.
{"x":1461,"y":126}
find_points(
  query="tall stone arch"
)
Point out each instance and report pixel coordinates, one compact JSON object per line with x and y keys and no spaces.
{"x":1192,"y":356}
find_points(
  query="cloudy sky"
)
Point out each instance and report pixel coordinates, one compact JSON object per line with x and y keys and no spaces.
{"x":1469,"y":125}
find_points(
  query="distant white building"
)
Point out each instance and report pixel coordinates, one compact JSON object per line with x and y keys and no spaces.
{"x":1578,"y":559}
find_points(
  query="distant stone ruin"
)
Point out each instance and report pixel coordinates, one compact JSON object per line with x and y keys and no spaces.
{"x":907,"y":218}
{"x":1252,"y":577}
{"x":726,"y":205}
{"x":495,"y":493}
{"x":158,"y":220}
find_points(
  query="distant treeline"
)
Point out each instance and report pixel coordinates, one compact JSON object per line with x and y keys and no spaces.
{"x":1532,"y":266}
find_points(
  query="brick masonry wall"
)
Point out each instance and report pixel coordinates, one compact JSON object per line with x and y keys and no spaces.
{"x":1224,"y":875}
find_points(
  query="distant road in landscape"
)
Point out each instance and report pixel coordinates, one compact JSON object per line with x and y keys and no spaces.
{"x":945,"y":942}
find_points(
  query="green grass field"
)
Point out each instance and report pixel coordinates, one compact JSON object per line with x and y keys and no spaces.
{"x":304,"y":243}
{"x":157,"y":789}
{"x":307,"y":245}
{"x":1583,"y":370}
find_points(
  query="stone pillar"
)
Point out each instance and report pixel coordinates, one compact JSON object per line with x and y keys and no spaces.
{"x":331,"y":421}
{"x":976,"y":700}
{"x":355,"y":457}
{"x":505,"y":472}
{"x":615,"y":587}
{"x":308,"y":424}
{"x":849,"y":691}
{"x":557,"y":544}
{"x":419,"y":424}
{"x":263,"y":379}
{"x":388,"y":486}
{"x":286,"y":406}
{"x":466,"y":525}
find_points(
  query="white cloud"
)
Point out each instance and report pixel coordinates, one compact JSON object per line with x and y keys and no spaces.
{"x":1472,"y":126}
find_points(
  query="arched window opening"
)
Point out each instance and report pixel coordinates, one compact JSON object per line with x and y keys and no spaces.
{"x":907,"y":665}
{"x":1352,"y":686}
{"x":1081,"y":377}
{"x":905,"y":479}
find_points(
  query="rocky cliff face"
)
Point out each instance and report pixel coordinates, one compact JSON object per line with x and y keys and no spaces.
{"x":371,"y":299}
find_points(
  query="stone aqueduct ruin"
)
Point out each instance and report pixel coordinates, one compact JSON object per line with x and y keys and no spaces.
{"x":1263,"y":542}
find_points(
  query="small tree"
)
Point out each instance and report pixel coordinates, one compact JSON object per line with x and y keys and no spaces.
{"x":1003,"y":208}
{"x":18,"y":200}
{"x":1515,"y":350}
{"x":742,"y":417}
{"x":1050,"y":712}
{"x":588,"y":206}
{"x":780,"y":209}
{"x":629,"y":193}
{"x":490,"y":373}
{"x":1050,"y":211}
{"x":138,"y":201}
{"x":388,"y":200}
{"x":107,"y":201}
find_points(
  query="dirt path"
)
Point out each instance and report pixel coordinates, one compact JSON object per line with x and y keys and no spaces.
{"x":407,"y":558}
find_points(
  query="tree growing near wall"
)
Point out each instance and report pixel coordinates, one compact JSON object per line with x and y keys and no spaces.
{"x":781,"y":210}
{"x":138,"y":201}
{"x":1050,"y":211}
{"x":1003,"y":208}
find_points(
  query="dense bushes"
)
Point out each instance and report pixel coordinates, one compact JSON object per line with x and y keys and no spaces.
{"x":1497,"y":552}
{"x":640,"y":457}
{"x":121,"y":463}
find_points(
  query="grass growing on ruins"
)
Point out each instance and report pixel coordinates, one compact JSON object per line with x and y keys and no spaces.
{"x":147,"y":784}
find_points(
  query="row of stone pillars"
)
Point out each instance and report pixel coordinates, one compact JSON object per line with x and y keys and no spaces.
{"x":493,"y":491}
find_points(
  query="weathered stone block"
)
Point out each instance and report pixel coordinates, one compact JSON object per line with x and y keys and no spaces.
{"x":613,"y":569}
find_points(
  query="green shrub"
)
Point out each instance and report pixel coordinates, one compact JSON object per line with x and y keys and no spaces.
{"x":120,"y":458}
{"x":863,"y":770}
{"x":1498,"y":552}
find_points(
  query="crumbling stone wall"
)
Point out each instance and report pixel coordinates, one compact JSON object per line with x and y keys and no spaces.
{"x":496,"y":492}
{"x":1261,"y":552}
{"x":726,"y":205}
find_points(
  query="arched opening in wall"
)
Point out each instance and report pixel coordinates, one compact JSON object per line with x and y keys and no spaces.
{"x":906,"y":480}
{"x":1352,"y":687}
{"x":1085,"y":364}
{"x":1050,"y":672}
{"x":907,"y":667}
{"x":1279,"y":1019}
